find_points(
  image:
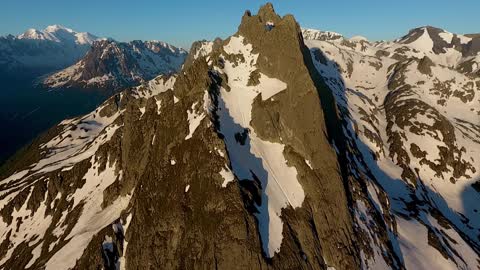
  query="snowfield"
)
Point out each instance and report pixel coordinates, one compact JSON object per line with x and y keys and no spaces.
{"x":361,"y":76}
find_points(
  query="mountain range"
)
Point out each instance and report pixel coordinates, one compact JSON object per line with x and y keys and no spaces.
{"x":80,"y":59}
{"x":110,"y":64}
{"x":411,"y":117}
{"x":275,"y":148}
{"x":41,"y":51}
{"x":44,"y":75}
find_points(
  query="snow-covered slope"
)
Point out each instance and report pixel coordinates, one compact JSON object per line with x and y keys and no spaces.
{"x":41,"y":51}
{"x":412,"y":120}
{"x":111,"y":64}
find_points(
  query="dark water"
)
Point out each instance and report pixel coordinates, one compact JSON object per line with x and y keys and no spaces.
{"x":27,"y":111}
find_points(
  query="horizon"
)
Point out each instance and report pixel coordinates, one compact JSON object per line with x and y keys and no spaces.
{"x":130,"y":22}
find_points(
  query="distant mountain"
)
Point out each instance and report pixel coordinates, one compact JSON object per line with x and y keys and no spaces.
{"x":320,"y":35}
{"x":111,"y":64}
{"x":435,"y":40}
{"x":75,"y":60}
{"x":443,"y":47}
{"x":58,"y":33}
{"x":42,"y":51}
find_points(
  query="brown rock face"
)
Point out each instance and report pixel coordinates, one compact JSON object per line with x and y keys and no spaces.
{"x":425,"y":65}
{"x":297,"y":118}
{"x":205,"y":227}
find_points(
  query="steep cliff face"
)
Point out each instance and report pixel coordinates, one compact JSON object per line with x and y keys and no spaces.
{"x":294,"y":118}
{"x":225,"y":165}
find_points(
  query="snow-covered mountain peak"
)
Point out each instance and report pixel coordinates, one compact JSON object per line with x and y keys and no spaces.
{"x":56,"y":27}
{"x":358,"y":38}
{"x":59,"y":33}
{"x":33,"y":34}
{"x":429,"y":38}
{"x":314,"y":34}
{"x":42,"y":51}
{"x":329,"y":36}
{"x":85,"y":38}
{"x":419,"y":39}
{"x":156,"y":45}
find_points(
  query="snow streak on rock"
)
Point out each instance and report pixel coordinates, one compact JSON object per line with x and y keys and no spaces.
{"x":250,"y":156}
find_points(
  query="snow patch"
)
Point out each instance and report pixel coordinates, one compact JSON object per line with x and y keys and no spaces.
{"x":194,"y":120}
{"x":309,"y":163}
{"x":122,"y":260}
{"x":464,"y":39}
{"x":227,"y":176}
{"x":446,"y":36}
{"x":93,"y":217}
{"x":424,"y":43}
{"x":204,"y":50}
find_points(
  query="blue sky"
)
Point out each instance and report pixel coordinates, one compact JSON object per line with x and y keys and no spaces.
{"x":181,"y":22}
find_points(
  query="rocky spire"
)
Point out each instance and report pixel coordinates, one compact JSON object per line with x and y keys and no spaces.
{"x":296,"y":119}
